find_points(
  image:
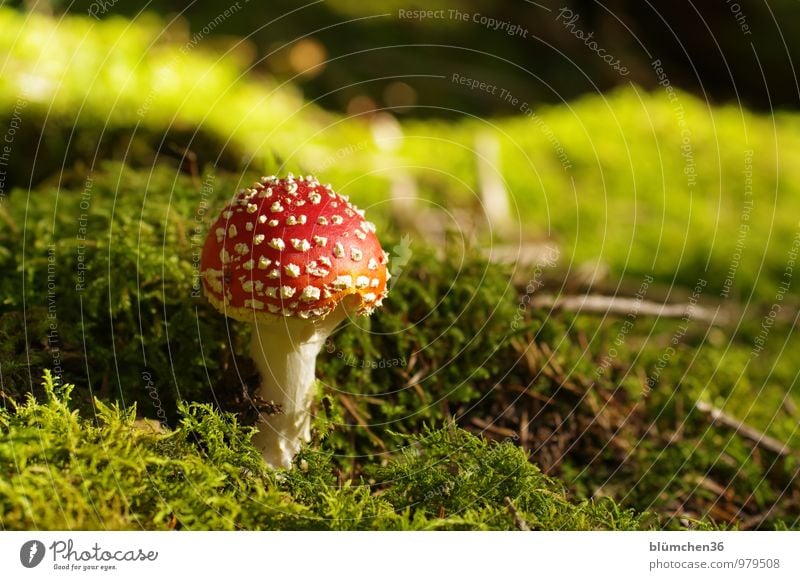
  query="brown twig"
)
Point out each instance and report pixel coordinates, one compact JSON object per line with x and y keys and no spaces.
{"x":7,"y":220}
{"x":190,"y":157}
{"x":760,"y":439}
{"x":527,"y":254}
{"x":524,"y":428}
{"x":624,"y":306}
{"x":520,"y":523}
{"x":494,"y":429}
{"x":790,"y":405}
{"x":413,"y":383}
{"x":351,"y":408}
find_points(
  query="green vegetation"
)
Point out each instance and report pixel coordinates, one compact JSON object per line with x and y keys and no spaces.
{"x":627,"y":200}
{"x":101,"y":261}
{"x":60,"y":471}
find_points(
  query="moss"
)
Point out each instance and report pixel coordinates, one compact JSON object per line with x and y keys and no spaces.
{"x":64,"y":471}
{"x":454,"y":343}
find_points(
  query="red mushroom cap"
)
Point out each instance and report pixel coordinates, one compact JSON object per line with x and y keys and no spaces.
{"x":292,"y":247}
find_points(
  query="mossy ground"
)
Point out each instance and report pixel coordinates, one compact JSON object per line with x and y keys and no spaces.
{"x":63,"y":471}
{"x":455,"y":345}
{"x":101,"y":286}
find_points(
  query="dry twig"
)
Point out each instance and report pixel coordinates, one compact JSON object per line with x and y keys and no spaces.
{"x":760,"y":439}
{"x":623,"y":305}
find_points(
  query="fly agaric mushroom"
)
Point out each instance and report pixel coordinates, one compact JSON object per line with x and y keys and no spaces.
{"x":293,"y":258}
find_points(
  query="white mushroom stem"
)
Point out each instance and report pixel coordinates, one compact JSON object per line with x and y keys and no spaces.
{"x":285,"y":352}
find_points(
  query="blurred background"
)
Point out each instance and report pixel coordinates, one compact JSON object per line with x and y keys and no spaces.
{"x":339,"y":51}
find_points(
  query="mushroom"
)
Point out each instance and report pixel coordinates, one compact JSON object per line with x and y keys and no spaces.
{"x":293,"y":258}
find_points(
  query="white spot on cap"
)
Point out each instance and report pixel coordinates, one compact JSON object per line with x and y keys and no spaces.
{"x":287,"y":291}
{"x":310,"y":293}
{"x":302,"y":217}
{"x":224,"y":256}
{"x":247,"y":285}
{"x":241,"y":248}
{"x":214,"y":279}
{"x":276,"y":207}
{"x":372,"y":264}
{"x":384,"y":257}
{"x":274,"y":273}
{"x":342,"y":282}
{"x":227,"y":214}
{"x":277,"y":244}
{"x":262,"y":218}
{"x":300,"y":245}
{"x":349,"y":212}
{"x":273,"y":223}
{"x":263,"y":263}
{"x":291,"y":220}
{"x":320,"y":241}
{"x":325,"y":261}
{"x":338,"y":250}
{"x":322,"y":220}
{"x":314,"y":197}
{"x":362,"y":282}
{"x":253,"y":303}
{"x":220,"y":234}
{"x":356,"y":254}
{"x":249,"y":265}
{"x":258,"y":238}
{"x":252,"y":208}
{"x":271,"y":291}
{"x":370,"y":297}
{"x":360,"y":235}
{"x":337,"y":220}
{"x":368,"y":227}
{"x":315,"y":270}
{"x":273,"y":308}
{"x":292,"y":188}
{"x":375,"y":283}
{"x":249,"y":226}
{"x":292,"y":270}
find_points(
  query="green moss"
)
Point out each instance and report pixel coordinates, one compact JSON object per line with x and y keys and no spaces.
{"x":451,"y":344}
{"x":63,"y":471}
